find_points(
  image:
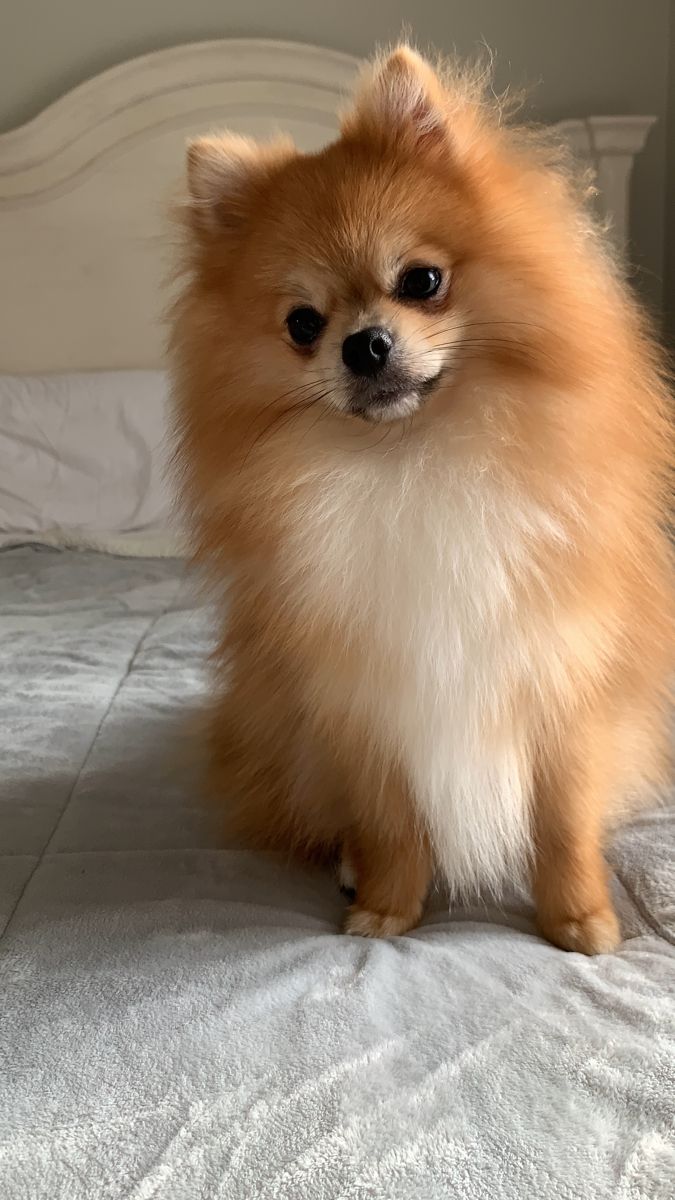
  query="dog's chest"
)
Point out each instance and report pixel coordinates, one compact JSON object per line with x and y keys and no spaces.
{"x":423,"y":580}
{"x":426,"y":575}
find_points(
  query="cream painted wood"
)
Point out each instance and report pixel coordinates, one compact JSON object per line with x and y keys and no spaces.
{"x":85,"y":188}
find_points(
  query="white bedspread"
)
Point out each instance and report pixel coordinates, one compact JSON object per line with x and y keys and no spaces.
{"x":184,"y":1022}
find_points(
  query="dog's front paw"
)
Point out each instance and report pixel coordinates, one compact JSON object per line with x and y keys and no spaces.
{"x":590,"y":933}
{"x":364,"y":923}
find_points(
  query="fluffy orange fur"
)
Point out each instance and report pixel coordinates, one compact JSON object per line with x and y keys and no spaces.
{"x":448,"y":618}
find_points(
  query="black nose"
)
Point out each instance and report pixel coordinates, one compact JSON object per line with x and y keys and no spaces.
{"x":366,"y":352}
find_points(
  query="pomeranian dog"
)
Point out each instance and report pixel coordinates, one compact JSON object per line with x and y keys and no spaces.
{"x":425,"y":440}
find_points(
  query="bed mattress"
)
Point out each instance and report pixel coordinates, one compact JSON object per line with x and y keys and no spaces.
{"x":183,"y":1021}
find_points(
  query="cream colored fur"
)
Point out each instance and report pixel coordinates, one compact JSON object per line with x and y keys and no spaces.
{"x":418,"y":556}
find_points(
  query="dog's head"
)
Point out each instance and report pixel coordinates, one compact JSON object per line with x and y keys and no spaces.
{"x":369,"y":278}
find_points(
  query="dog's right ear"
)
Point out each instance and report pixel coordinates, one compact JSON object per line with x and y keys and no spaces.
{"x":400,"y":97}
{"x":223,"y":174}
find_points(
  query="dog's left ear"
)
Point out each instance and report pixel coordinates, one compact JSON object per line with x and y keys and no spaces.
{"x":400,"y":97}
{"x":224,"y":174}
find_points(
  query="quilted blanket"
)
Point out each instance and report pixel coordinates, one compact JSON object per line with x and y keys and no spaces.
{"x":181,"y":1021}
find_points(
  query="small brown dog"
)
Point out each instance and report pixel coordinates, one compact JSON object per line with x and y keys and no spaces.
{"x":425,"y":439}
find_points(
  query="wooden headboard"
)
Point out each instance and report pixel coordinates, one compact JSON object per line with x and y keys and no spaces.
{"x":84,"y":188}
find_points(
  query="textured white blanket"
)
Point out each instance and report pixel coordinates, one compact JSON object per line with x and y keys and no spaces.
{"x":181,"y":1022}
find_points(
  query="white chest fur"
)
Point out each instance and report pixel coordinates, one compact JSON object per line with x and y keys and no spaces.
{"x":419,"y":562}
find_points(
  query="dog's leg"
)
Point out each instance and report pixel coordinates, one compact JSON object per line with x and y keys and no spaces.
{"x":390,"y":857}
{"x":574,"y":907}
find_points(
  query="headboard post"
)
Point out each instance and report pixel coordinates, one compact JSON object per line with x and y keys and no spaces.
{"x":610,"y":146}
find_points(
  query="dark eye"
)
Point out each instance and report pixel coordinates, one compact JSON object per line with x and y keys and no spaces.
{"x":420,"y":283}
{"x":304,"y":325}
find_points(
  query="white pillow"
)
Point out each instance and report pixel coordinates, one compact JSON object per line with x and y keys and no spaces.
{"x":83,"y":461}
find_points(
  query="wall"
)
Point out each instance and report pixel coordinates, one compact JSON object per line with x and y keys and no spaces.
{"x":580,"y":57}
{"x":669,"y":257}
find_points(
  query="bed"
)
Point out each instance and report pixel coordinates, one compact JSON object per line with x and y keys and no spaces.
{"x":178,"y":1019}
